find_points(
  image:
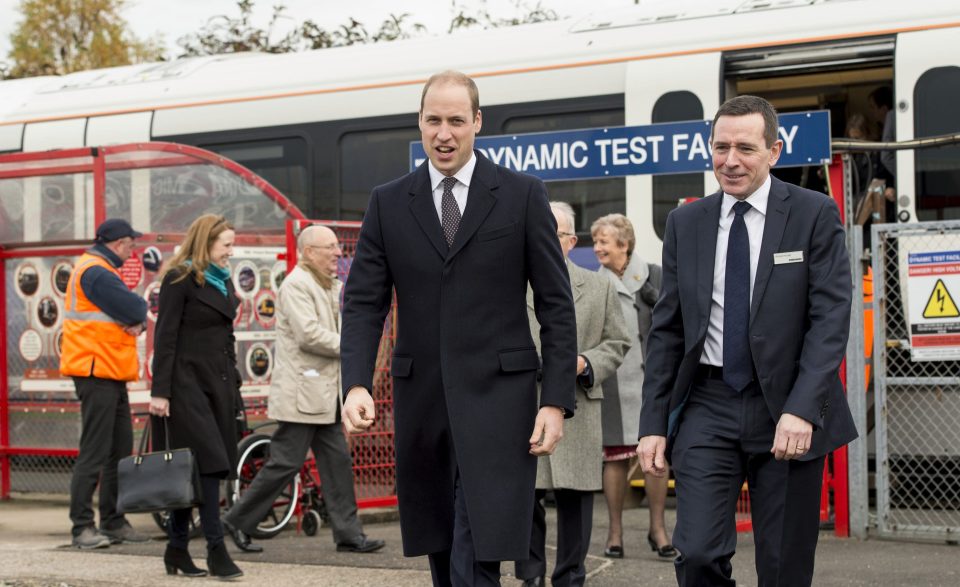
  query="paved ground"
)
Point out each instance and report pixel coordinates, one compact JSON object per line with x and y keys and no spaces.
{"x":35,"y":552}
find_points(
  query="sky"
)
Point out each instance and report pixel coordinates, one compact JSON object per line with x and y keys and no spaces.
{"x":172,"y":19}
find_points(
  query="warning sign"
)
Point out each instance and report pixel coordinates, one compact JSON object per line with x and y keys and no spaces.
{"x":132,"y":271}
{"x":940,"y":304}
{"x":933,"y":279}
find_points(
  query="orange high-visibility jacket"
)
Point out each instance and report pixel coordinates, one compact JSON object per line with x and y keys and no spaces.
{"x":94,"y":344}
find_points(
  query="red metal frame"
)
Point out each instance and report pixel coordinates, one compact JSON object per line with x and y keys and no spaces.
{"x":252,"y":178}
{"x":95,"y":161}
{"x":836,"y":479}
{"x":4,"y":392}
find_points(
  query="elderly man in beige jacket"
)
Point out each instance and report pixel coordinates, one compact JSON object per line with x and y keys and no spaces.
{"x":304,"y":399}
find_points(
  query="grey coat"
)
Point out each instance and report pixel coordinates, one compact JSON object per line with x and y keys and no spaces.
{"x":622,"y":400}
{"x":602,"y":339}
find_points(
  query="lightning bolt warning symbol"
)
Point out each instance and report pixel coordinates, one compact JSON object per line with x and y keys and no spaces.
{"x":940,"y":304}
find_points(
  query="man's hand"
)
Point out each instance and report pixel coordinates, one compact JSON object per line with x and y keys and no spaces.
{"x":547,"y":431}
{"x":359,"y":411}
{"x":159,"y":406}
{"x":891,"y":195}
{"x":581,"y":364}
{"x":651,"y":451}
{"x":133,"y":329}
{"x":793,"y":437}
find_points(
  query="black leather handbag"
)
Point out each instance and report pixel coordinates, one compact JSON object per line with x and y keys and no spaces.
{"x":158,"y":481}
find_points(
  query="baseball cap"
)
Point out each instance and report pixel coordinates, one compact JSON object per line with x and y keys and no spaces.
{"x":115,"y":229}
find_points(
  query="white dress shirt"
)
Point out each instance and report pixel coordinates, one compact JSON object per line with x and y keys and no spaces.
{"x":460,"y":189}
{"x":754,"y":219}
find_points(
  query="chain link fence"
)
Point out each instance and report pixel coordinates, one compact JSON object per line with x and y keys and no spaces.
{"x":916,"y":270}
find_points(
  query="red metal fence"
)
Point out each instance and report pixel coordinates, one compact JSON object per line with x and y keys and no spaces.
{"x":50,"y":204}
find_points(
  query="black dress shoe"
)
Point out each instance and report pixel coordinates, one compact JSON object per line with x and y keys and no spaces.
{"x":615,"y":551}
{"x":241,"y":538}
{"x":361,"y":544}
{"x":535,"y":582}
{"x":665,"y":551}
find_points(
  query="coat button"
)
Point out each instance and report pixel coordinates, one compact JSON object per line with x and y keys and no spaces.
{"x":223,"y":376}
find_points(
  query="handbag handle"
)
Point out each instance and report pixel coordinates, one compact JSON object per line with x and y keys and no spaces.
{"x":167,"y":454}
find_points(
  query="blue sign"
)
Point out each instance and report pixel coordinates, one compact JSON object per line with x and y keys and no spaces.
{"x":655,"y":149}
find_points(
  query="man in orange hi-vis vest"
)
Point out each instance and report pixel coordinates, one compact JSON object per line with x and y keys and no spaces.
{"x":103,"y":319}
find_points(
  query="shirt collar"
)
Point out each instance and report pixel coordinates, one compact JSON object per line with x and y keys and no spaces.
{"x":757,"y":200}
{"x":463,"y":176}
{"x":102,"y":250}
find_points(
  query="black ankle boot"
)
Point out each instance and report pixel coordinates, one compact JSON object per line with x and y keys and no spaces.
{"x":220,"y":564}
{"x":178,"y":559}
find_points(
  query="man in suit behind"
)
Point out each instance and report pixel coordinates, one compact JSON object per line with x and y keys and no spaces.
{"x":574,"y":470}
{"x":742,"y":373}
{"x":459,"y":239}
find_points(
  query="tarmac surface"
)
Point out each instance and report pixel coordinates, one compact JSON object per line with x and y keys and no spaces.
{"x":35,"y":552}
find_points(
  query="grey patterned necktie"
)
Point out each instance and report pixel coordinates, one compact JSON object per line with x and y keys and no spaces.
{"x":450,"y":212}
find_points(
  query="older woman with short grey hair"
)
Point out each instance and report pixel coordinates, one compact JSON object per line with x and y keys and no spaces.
{"x":638,"y":285}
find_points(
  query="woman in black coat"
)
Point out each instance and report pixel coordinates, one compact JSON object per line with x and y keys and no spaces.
{"x":195,"y":380}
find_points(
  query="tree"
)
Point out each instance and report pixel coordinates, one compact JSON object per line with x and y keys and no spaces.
{"x":57,"y":37}
{"x":480,"y":16}
{"x":233,"y":34}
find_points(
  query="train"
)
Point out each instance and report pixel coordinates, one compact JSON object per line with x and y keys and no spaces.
{"x":326,"y":126}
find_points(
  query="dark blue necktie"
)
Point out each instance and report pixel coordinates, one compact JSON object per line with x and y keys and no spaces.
{"x":737,"y":365}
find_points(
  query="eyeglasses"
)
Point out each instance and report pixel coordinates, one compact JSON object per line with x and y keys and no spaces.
{"x":563,"y":234}
{"x":329,"y":247}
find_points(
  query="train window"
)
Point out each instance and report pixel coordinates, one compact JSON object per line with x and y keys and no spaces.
{"x":282,"y":162}
{"x":669,"y":189}
{"x":368,"y":159}
{"x":937,"y":171}
{"x":590,"y":198}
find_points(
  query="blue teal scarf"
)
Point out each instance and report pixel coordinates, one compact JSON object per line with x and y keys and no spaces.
{"x":217,"y":277}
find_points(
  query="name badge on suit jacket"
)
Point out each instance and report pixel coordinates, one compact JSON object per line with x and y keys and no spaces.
{"x":788,"y":257}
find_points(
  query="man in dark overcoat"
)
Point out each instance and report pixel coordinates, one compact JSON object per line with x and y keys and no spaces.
{"x":459,"y":239}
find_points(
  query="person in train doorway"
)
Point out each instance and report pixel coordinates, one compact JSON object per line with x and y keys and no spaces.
{"x":574,"y":470}
{"x":743,"y":360}
{"x":305,"y":399}
{"x":459,"y":239}
{"x":103,"y":319}
{"x":885,"y":165}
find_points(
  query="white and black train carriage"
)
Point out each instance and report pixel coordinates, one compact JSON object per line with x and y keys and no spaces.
{"x":326,"y":126}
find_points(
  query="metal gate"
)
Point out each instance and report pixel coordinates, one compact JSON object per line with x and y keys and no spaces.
{"x":916,"y":269}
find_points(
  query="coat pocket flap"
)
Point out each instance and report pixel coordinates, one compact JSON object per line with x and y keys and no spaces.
{"x":519,"y":360}
{"x":500,"y":231}
{"x":401,"y":366}
{"x":315,"y":398}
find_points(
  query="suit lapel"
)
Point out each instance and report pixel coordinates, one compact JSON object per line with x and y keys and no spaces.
{"x":480,"y":200}
{"x":707,"y":228}
{"x":423,"y":210}
{"x":576,"y":281}
{"x":212,"y":297}
{"x":778,"y":210}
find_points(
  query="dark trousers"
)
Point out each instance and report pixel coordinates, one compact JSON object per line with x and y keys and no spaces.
{"x":288,"y":450}
{"x":723,"y":438}
{"x":459,"y":567}
{"x":574,"y":526}
{"x":179,"y":532}
{"x":106,"y":436}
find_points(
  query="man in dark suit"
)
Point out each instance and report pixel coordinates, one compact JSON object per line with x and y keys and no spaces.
{"x":459,"y":239}
{"x":742,"y":373}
